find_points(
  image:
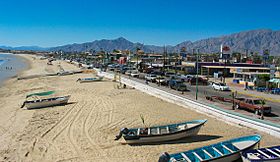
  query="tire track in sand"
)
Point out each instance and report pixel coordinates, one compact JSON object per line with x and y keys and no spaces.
{"x":55,"y":131}
{"x":69,"y":133}
{"x":86,"y":123}
{"x":63,"y":119}
{"x":104,"y":116}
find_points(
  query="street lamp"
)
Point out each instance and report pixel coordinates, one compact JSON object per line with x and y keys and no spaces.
{"x":196,"y":92}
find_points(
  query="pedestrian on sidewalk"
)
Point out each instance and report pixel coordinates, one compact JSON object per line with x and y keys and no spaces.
{"x":246,"y":86}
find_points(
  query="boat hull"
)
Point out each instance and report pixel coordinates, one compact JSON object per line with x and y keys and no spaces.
{"x":166,"y":137}
{"x":59,"y":101}
{"x":87,"y":81}
{"x":90,"y":80}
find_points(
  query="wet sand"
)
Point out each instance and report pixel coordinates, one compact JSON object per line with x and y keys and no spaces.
{"x":84,"y":130}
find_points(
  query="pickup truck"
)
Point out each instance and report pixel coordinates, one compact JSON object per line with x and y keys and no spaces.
{"x":252,"y":104}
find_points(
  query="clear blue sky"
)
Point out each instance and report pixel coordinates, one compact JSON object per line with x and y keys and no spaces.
{"x":58,"y":22}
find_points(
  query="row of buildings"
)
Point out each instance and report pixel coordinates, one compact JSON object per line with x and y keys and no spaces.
{"x":223,"y":64}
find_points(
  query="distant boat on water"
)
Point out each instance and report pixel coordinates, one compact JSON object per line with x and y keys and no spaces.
{"x":226,"y":151}
{"x":161,"y":133}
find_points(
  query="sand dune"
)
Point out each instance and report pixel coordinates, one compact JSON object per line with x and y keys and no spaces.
{"x":84,"y":130}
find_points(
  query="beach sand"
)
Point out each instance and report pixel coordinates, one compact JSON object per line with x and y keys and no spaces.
{"x":84,"y":130}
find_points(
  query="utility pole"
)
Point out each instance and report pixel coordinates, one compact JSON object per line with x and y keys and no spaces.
{"x":176,"y":61}
{"x":164,"y":58}
{"x":137,"y":58}
{"x":196,"y":92}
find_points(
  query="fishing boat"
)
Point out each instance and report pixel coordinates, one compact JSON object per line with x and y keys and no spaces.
{"x":84,"y":80}
{"x":262,"y":154}
{"x":161,"y":133}
{"x":46,"y":102}
{"x":226,"y":151}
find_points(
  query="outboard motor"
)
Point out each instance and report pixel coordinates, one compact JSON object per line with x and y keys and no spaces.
{"x":122,"y":131}
{"x":164,"y":157}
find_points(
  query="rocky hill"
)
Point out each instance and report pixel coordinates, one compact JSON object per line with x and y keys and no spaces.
{"x":253,"y":41}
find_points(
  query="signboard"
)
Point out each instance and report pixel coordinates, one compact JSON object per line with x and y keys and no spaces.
{"x":226,"y":49}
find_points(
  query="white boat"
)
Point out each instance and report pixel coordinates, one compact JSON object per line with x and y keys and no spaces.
{"x":161,"y":133}
{"x":84,"y":80}
{"x":262,"y":154}
{"x":47,"y":102}
{"x":226,"y":151}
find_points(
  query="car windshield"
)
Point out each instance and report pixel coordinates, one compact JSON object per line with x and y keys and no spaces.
{"x":258,"y":102}
{"x":222,"y":84}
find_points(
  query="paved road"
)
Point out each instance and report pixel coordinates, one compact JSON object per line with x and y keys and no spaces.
{"x":202,"y":90}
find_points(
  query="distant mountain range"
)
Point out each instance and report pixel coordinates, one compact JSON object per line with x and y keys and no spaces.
{"x":254,"y":41}
{"x":31,"y":48}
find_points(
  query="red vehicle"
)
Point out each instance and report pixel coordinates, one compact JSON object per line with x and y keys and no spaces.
{"x":252,"y":104}
{"x":201,"y":81}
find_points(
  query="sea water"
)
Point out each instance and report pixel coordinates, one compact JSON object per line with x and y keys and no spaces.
{"x":10,"y":66}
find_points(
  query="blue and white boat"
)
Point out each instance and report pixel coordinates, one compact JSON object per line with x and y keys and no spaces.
{"x":262,"y":154}
{"x":161,"y":133}
{"x":226,"y":151}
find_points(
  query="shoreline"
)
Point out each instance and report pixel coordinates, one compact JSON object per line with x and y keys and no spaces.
{"x":26,"y":63}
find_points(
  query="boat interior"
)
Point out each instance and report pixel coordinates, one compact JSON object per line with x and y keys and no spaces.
{"x":216,"y":150}
{"x":43,"y":100}
{"x":162,"y":129}
{"x":206,"y":153}
{"x":264,"y":153}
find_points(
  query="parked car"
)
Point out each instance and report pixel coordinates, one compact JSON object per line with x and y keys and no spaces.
{"x":159,"y":73}
{"x":252,"y":104}
{"x":168,"y":74}
{"x":201,"y":81}
{"x":186,"y":77}
{"x":151,"y":77}
{"x":178,"y":85}
{"x":220,"y":86}
{"x":161,"y":80}
{"x":123,"y":69}
{"x":134,"y":73}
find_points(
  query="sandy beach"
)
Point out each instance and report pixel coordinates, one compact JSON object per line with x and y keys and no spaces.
{"x":84,"y":129}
